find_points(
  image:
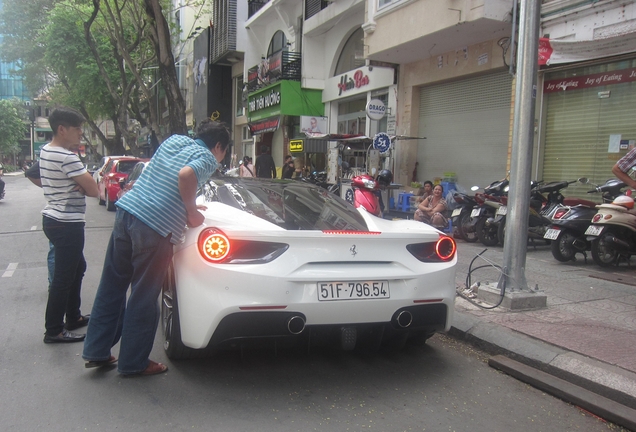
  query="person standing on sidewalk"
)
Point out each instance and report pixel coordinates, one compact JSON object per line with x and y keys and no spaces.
{"x":265,"y":166}
{"x":65,"y":183}
{"x":625,"y":168}
{"x":149,"y":220}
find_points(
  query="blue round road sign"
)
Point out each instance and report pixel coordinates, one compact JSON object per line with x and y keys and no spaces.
{"x":382,"y":142}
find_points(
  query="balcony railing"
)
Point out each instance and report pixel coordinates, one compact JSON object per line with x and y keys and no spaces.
{"x":285,"y":65}
{"x":254,"y":6}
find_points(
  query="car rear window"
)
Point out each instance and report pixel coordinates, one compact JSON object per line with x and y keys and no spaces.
{"x":289,"y":204}
{"x":126,"y":166}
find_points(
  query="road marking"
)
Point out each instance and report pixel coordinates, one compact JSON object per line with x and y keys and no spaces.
{"x":34,"y":227}
{"x":10,"y":269}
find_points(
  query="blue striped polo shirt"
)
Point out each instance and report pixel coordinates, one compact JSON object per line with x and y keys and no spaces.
{"x":155,"y":198}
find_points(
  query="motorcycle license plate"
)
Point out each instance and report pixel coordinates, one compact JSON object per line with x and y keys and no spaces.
{"x":594,"y":230}
{"x":551,"y":234}
{"x":475,"y":212}
{"x":503,"y":210}
{"x":456,"y":212}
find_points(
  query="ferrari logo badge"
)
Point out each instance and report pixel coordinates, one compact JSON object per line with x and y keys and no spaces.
{"x":353,"y":250}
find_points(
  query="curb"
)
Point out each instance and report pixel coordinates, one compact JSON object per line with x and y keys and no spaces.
{"x":595,"y":376}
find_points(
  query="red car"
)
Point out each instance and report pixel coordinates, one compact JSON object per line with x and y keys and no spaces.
{"x":114,"y":170}
{"x":125,"y":185}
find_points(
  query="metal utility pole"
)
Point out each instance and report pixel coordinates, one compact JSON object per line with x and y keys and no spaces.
{"x":516,"y":239}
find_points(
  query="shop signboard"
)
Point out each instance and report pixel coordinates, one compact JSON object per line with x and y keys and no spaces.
{"x":376,"y":109}
{"x":587,"y":81}
{"x":357,"y":81}
{"x":264,"y":125}
{"x":382,"y":142}
{"x":284,"y":98}
{"x":296,"y":146}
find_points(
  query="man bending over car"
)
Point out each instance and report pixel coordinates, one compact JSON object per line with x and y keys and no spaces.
{"x":149,"y":220}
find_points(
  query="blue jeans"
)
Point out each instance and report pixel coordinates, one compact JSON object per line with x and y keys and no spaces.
{"x":137,"y":256}
{"x":50,"y":261}
{"x":69,"y":267}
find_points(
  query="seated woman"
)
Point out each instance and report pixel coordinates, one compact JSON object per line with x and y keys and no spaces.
{"x":432,"y":210}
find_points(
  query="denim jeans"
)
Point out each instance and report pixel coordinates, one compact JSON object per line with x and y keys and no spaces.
{"x":70,"y":265}
{"x":50,"y":262}
{"x":137,"y":256}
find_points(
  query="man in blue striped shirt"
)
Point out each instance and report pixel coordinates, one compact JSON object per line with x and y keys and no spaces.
{"x":149,"y":220}
{"x":65,"y":183}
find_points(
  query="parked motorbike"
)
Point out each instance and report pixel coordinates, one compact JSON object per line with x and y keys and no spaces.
{"x":570,"y":222}
{"x":541,"y":209}
{"x":366,"y":191}
{"x":460,"y":217}
{"x":483,"y":214}
{"x":613,"y":232}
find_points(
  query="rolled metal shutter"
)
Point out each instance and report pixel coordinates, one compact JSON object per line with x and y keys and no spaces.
{"x":467,"y":127}
{"x":578,"y":127}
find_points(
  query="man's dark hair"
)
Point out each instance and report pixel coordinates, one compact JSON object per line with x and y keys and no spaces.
{"x":264,"y":149}
{"x":428,"y":182}
{"x":67,"y":117}
{"x":212,"y":132}
{"x":288,"y":157}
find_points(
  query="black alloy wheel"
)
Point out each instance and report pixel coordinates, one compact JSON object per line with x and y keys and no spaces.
{"x":172,"y":343}
{"x":466,"y":228}
{"x":501,"y":230}
{"x":487,"y":233}
{"x":563,"y":249}
{"x":604,"y":253}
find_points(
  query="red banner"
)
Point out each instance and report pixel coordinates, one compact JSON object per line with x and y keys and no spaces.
{"x":266,"y":125}
{"x":587,"y":81}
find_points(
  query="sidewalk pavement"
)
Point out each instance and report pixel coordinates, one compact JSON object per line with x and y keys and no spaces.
{"x":587,"y":333}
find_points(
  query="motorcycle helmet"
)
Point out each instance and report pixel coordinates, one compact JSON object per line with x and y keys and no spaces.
{"x":385,"y":177}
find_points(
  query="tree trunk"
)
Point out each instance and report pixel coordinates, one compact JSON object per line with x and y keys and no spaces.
{"x":160,"y":36}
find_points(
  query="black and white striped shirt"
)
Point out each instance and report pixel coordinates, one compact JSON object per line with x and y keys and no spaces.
{"x":58,"y":166}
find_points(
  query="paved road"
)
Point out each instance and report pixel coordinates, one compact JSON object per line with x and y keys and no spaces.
{"x":444,"y":385}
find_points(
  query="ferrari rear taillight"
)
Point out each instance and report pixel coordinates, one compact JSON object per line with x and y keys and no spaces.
{"x":216,"y":247}
{"x":441,"y":250}
{"x":213,"y":245}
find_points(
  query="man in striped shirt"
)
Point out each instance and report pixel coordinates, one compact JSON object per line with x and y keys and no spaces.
{"x":65,"y":183}
{"x":149,"y":220}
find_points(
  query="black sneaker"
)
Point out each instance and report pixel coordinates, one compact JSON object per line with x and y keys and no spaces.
{"x":64,"y":337}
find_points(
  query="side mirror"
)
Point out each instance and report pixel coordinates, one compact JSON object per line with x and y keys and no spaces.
{"x":474,"y":188}
{"x":583,"y":180}
{"x":122,"y":183}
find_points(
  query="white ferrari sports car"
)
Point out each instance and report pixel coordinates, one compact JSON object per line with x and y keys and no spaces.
{"x":284,"y":261}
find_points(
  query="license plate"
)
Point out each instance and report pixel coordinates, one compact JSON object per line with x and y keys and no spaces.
{"x":475,"y":212}
{"x":456,"y":212}
{"x":551,"y":234}
{"x":328,"y":291}
{"x":594,"y":230}
{"x":502,"y":210}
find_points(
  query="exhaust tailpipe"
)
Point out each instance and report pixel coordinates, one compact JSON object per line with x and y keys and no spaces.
{"x":404,"y":319}
{"x":619,"y":244}
{"x":296,"y":325}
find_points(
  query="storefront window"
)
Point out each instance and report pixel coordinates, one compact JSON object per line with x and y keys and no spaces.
{"x":240,"y":105}
{"x":352,"y":117}
{"x":352,"y":55}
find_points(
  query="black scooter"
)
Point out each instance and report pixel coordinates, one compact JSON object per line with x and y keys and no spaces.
{"x":571,"y":220}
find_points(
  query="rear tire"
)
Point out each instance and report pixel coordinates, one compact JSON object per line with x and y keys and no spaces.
{"x":562,"y":248}
{"x":603,"y":253}
{"x":501,"y":231}
{"x":486,"y":234}
{"x":172,"y":344}
{"x":464,"y":226}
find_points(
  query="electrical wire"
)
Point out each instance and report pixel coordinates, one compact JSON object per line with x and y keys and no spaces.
{"x":469,"y":280}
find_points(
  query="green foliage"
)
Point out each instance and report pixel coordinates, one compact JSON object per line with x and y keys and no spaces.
{"x":12,"y":126}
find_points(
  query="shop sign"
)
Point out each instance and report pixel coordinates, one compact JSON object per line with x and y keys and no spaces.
{"x":265,"y":125}
{"x":587,"y":81}
{"x":268,"y":71}
{"x":359,"y":81}
{"x":265,"y":100}
{"x":382,"y":142}
{"x":296,"y":146}
{"x":376,"y":109}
